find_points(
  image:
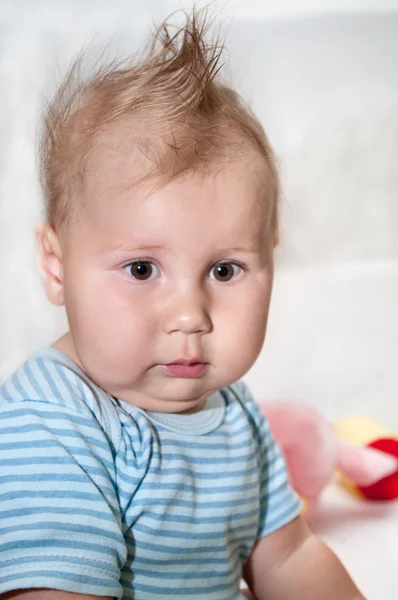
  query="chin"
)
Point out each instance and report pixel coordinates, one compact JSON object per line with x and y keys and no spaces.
{"x":168,"y":405}
{"x":186,"y":392}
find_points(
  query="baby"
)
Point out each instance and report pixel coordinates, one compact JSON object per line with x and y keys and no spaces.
{"x":134,"y":462}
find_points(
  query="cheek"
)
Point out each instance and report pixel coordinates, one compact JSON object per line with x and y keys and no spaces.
{"x":101,"y":310}
{"x":248,"y":331}
{"x":244,"y":323}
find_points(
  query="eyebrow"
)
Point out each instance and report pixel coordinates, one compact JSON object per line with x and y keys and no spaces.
{"x":240,"y":249}
{"x":125,"y":248}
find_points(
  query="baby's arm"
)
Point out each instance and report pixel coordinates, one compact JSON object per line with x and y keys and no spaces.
{"x":293,"y":563}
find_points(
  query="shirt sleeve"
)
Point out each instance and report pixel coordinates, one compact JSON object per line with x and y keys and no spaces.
{"x":279,"y":503}
{"x":60,"y":525}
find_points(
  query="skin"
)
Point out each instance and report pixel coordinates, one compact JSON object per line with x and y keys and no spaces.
{"x":123,"y":329}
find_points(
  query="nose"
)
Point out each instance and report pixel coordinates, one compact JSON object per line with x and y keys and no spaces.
{"x":189,"y":313}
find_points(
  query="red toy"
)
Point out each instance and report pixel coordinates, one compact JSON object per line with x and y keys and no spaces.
{"x":363,"y":452}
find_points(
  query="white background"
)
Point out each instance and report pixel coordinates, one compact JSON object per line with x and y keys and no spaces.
{"x":323,"y":78}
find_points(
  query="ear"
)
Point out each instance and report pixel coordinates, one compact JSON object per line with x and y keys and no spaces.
{"x":49,"y":260}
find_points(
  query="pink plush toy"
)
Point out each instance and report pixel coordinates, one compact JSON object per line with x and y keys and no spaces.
{"x":313,"y":452}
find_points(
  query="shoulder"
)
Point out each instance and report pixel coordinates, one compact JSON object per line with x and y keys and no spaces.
{"x":243,"y":406}
{"x":241,"y":393}
{"x":50,"y":380}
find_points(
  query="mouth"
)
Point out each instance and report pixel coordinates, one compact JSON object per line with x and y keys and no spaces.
{"x":185,"y":367}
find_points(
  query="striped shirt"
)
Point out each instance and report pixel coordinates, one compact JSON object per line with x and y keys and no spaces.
{"x":100,"y":497}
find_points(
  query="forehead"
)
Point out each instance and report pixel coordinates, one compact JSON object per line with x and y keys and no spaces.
{"x":191,"y":217}
{"x":231,"y":197}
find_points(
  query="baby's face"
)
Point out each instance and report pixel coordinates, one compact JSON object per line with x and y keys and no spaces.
{"x":167,"y":293}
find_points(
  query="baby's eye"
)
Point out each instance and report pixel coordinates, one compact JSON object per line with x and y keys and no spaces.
{"x":225,"y":271}
{"x":142,"y":270}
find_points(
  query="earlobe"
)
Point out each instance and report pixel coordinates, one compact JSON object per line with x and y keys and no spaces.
{"x":49,"y":260}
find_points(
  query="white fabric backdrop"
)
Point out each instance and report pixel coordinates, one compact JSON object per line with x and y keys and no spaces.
{"x":326,"y":89}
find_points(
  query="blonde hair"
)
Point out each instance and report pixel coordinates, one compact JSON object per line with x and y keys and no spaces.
{"x":175,"y":88}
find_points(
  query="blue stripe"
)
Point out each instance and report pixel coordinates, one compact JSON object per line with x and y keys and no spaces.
{"x":221,"y":489}
{"x":58,"y":543}
{"x":59,"y":510}
{"x":206,"y":476}
{"x":41,"y":444}
{"x":33,"y":381}
{"x":70,"y":560}
{"x":196,"y":561}
{"x":51,"y":493}
{"x":83,"y":578}
{"x":48,"y":460}
{"x":69,"y":414}
{"x":234,"y":414}
{"x":167,"y":472}
{"x":60,"y":432}
{"x":18,"y":386}
{"x":191,"y":534}
{"x":266,"y":480}
{"x":202,"y":460}
{"x":4,"y":391}
{"x":285,"y":495}
{"x":290,"y":513}
{"x":59,"y":526}
{"x":41,"y":477}
{"x":177,"y":518}
{"x":82,"y":391}
{"x":183,"y":591}
{"x":171,"y":574}
{"x":186,"y":551}
{"x":203,"y":445}
{"x":50,"y":381}
{"x":202,"y":504}
{"x":72,"y":393}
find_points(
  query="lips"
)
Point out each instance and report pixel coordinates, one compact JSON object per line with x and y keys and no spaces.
{"x":185,"y":367}
{"x":186,"y":361}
